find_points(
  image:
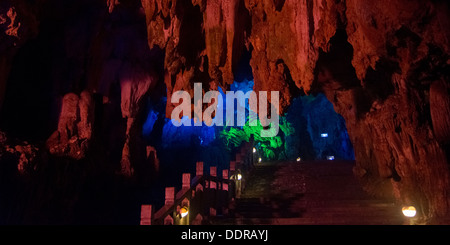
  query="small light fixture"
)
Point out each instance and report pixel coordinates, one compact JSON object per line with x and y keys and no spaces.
{"x":330,"y":158}
{"x":298,"y":159}
{"x":260,"y":159}
{"x":184,"y":212}
{"x":239,"y":176}
{"x":254,"y":150}
{"x":409,"y":211}
{"x":323,"y":135}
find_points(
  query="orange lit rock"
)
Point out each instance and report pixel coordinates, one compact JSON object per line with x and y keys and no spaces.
{"x":383,"y":64}
{"x":74,"y":127}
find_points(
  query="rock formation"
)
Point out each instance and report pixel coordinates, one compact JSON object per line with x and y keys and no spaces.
{"x":75,"y":126}
{"x":23,"y":153}
{"x":382,"y":64}
{"x":398,"y":51}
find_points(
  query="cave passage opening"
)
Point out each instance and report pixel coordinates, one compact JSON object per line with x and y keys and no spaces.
{"x":310,"y":129}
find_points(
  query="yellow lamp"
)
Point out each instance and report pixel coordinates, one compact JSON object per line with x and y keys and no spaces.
{"x":409,"y":211}
{"x":184,"y":211}
{"x":239,"y":176}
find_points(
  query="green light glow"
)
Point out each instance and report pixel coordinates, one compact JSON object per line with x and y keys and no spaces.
{"x":269,"y":148}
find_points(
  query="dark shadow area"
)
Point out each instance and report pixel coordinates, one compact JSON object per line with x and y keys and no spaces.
{"x":378,"y":83}
{"x":279,"y":4}
{"x":192,"y":36}
{"x":28,"y":107}
{"x":334,"y":72}
{"x":338,"y":62}
{"x":76,"y":39}
{"x":243,"y":71}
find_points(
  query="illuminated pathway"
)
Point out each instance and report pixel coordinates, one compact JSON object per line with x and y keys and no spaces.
{"x":293,"y":193}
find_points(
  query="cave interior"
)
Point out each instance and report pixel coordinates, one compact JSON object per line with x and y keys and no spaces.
{"x":85,"y":90}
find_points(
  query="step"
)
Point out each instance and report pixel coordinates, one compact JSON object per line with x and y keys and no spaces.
{"x":312,"y":221}
{"x":309,"y":194}
{"x":349,"y":203}
{"x":259,"y":215}
{"x":351,"y":214}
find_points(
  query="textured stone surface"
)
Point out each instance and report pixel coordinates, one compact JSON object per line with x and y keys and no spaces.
{"x":286,"y":42}
{"x":74,"y":127}
{"x":381,"y":86}
{"x":135,"y":85}
{"x":440,"y":110}
{"x":383,"y":64}
{"x":23,"y":153}
{"x":399,"y":49}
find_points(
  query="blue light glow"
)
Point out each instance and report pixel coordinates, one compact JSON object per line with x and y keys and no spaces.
{"x":147,"y":128}
{"x":173,"y":136}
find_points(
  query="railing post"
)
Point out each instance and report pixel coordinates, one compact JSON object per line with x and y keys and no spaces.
{"x":225,"y":177}
{"x":199,"y":169}
{"x":186,"y":181}
{"x":213,"y":171}
{"x":169,"y":201}
{"x":208,"y":195}
{"x":224,"y":196}
{"x":146,"y":214}
{"x":212,"y":192}
{"x":198,"y":205}
{"x":170,"y":196}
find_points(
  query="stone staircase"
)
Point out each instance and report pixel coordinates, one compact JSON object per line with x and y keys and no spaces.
{"x":309,"y":193}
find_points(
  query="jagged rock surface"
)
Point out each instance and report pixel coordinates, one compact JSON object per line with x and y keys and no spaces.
{"x":75,"y":126}
{"x":383,"y":64}
{"x":398,"y":50}
{"x":23,"y":153}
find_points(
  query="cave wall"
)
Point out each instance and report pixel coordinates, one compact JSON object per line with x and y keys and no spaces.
{"x":398,"y":51}
{"x":382,"y":64}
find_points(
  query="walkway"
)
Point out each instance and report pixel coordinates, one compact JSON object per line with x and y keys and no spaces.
{"x":309,"y":193}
